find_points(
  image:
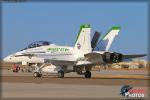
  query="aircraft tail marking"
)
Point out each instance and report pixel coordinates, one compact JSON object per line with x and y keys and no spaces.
{"x":83,"y":41}
{"x":105,"y":43}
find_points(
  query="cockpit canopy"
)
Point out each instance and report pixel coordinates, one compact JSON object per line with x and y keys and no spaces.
{"x":37,"y":44}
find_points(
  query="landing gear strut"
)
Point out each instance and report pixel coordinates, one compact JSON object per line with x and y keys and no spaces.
{"x":61,"y":74}
{"x":87,"y":74}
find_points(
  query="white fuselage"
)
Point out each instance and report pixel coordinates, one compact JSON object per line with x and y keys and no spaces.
{"x":51,"y":52}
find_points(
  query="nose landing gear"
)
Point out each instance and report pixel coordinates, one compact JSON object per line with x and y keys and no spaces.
{"x":37,"y":74}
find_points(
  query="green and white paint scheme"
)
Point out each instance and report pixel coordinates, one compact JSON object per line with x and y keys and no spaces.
{"x":58,"y":49}
{"x":105,"y":43}
{"x":83,"y":41}
{"x":64,"y":59}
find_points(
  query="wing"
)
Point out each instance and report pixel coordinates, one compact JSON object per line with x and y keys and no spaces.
{"x":30,"y":54}
{"x":57,"y":59}
{"x":59,"y":62}
{"x":133,"y":56}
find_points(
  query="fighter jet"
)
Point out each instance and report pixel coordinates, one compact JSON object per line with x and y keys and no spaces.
{"x":64,"y":59}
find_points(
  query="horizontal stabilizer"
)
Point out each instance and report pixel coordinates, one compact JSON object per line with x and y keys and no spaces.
{"x":133,"y":56}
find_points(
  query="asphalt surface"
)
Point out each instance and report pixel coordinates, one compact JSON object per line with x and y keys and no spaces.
{"x":46,"y":90}
{"x":103,"y":85}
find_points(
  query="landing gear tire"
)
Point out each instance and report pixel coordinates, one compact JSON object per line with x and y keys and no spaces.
{"x":87,"y":74}
{"x":61,"y":74}
{"x":37,"y":74}
{"x":79,"y":73}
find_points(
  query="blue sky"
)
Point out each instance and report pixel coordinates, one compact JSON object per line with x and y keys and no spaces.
{"x":59,"y":22}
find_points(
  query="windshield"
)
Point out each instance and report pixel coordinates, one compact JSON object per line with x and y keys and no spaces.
{"x":37,"y":44}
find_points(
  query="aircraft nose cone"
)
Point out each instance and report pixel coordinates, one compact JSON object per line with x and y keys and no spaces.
{"x":6,"y":59}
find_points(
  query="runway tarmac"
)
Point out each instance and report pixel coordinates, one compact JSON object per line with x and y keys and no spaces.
{"x":138,"y":74}
{"x":103,"y":85}
{"x":46,"y":90}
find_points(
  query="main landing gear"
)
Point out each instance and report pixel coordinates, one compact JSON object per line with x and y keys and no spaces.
{"x":60,"y":74}
{"x":87,"y":73}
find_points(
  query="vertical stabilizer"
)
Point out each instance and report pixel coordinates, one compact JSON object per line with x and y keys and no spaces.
{"x":95,"y":39}
{"x":105,"y":43}
{"x":83,"y":41}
